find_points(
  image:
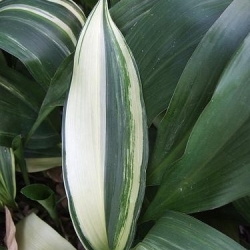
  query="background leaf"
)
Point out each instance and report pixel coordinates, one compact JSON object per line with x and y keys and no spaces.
{"x":243,"y":207}
{"x":40,"y":33}
{"x":44,"y":196}
{"x":215,"y":167}
{"x":179,"y":231}
{"x":2,"y":59}
{"x":42,"y":163}
{"x":56,"y":93}
{"x":196,"y":86}
{"x":162,"y":36}
{"x":7,"y":178}
{"x":20,"y":100}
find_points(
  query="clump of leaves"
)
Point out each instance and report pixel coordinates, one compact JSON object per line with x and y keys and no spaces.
{"x":179,"y":66}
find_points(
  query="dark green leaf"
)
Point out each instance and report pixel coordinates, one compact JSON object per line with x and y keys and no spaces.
{"x":2,"y":59}
{"x":243,"y":207}
{"x":17,"y":146}
{"x":215,"y":167}
{"x":20,"y":101}
{"x":162,"y":36}
{"x":40,"y":33}
{"x":176,"y":231}
{"x":196,"y":86}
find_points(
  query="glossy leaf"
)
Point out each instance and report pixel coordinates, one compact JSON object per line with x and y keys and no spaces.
{"x":40,"y":33}
{"x":162,"y":36}
{"x":7,"y":178}
{"x":20,"y":100}
{"x":105,"y":140}
{"x":179,"y":231}
{"x":56,"y":93}
{"x":196,"y":86}
{"x":2,"y":59}
{"x":215,"y":167}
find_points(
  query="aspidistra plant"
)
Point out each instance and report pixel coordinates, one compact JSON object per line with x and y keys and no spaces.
{"x":193,"y":59}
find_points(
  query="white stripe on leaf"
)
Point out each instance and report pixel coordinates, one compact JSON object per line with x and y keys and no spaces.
{"x":85,"y":137}
{"x":73,"y":9}
{"x":88,"y":146}
{"x":43,"y":14}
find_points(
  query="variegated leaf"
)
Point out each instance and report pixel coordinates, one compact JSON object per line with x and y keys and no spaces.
{"x":105,"y":139}
{"x":7,"y":177}
{"x":40,"y":33}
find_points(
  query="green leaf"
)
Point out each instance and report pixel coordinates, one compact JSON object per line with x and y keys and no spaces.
{"x":113,"y":2}
{"x":7,"y":178}
{"x":179,"y":231}
{"x":214,"y":169}
{"x":41,"y":164}
{"x":56,"y":93}
{"x":162,"y":36}
{"x":196,"y":86}
{"x":105,"y":140}
{"x":40,"y":33}
{"x":2,"y":59}
{"x":243,"y":207}
{"x":17,"y":146}
{"x":44,"y":196}
{"x":34,"y":234}
{"x":20,"y":100}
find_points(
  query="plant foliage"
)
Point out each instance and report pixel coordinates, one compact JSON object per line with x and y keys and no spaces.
{"x":171,"y":76}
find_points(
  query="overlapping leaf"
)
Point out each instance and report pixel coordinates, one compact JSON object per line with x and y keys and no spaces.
{"x":34,"y":234}
{"x":178,"y":231}
{"x":162,"y":36}
{"x":243,"y":207}
{"x":19,"y":109}
{"x":215,"y":167}
{"x":40,"y":33}
{"x":196,"y":86}
{"x":56,"y":93}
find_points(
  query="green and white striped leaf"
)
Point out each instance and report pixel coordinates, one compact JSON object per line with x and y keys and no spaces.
{"x":105,"y":139}
{"x":177,"y":231}
{"x":7,"y":178}
{"x":40,"y":33}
